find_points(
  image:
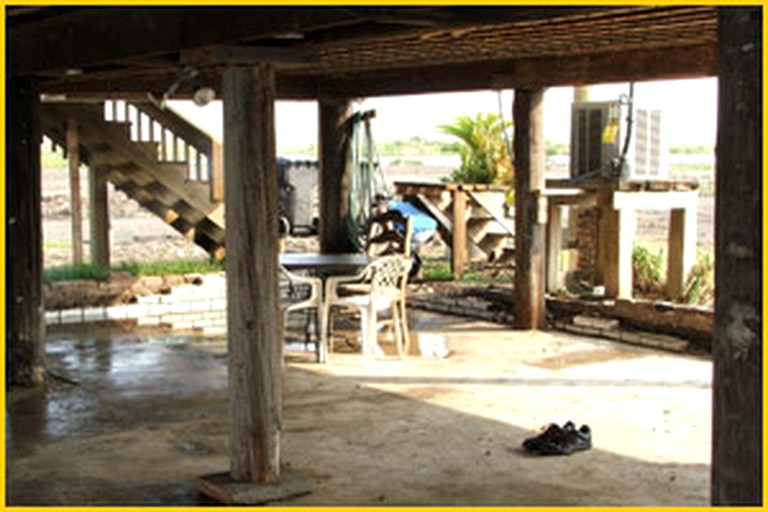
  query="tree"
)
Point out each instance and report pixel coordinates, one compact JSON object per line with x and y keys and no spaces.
{"x":484,"y":150}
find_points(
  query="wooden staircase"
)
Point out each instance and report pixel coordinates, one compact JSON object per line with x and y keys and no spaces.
{"x":490,"y":226}
{"x":155,"y":156}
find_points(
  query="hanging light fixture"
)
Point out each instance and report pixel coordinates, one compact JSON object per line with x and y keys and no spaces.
{"x":201,"y":96}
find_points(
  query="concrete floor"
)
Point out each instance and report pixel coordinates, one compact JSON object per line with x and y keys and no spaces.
{"x":150,"y":414}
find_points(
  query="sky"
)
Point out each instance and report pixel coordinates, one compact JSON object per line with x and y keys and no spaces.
{"x":689,"y":112}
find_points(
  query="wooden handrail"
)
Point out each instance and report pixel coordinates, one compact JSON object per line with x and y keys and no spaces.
{"x":200,"y":153}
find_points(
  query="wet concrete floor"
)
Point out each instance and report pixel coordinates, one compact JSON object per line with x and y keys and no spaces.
{"x":145,"y":414}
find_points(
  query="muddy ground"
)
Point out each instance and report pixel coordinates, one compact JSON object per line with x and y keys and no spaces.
{"x":149,"y":414}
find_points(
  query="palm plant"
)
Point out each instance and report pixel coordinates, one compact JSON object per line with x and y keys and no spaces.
{"x":483,"y":149}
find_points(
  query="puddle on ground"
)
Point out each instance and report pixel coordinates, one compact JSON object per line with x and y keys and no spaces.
{"x":99,"y":374}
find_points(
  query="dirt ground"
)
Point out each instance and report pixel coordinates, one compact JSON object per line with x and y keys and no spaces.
{"x":149,"y":414}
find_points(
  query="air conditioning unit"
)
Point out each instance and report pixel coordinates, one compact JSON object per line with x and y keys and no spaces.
{"x":598,"y":134}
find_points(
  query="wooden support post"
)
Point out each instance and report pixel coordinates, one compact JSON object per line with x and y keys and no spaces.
{"x":252,"y":288}
{"x":75,"y":199}
{"x":530,"y":219}
{"x":737,"y":345}
{"x":25,"y":327}
{"x":333,"y":116}
{"x":216,"y":172}
{"x":459,"y":235}
{"x":622,"y":289}
{"x":254,"y":322}
{"x":554,"y":247}
{"x":615,"y":235}
{"x":99,"y":216}
{"x":681,"y":249}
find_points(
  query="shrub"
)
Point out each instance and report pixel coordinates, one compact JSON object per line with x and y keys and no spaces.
{"x":700,"y":285}
{"x":647,"y":270}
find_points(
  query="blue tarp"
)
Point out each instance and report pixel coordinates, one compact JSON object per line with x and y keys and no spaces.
{"x":423,"y":225}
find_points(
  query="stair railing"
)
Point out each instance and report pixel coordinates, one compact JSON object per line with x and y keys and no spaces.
{"x":179,"y":141}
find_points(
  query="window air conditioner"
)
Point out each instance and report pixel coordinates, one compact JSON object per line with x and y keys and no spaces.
{"x":598,"y":133}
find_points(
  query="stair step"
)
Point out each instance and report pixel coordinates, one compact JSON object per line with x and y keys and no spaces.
{"x":150,"y":148}
{"x":162,"y":188}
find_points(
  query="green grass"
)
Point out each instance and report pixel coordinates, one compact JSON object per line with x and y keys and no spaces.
{"x":441,"y":271}
{"x":155,"y":268}
{"x":160,"y":268}
{"x":56,"y":244}
{"x":87,"y":272}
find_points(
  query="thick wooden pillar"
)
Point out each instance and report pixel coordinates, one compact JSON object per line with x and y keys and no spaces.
{"x":333,"y":132}
{"x":459,"y":250}
{"x":75,"y":198}
{"x":99,"y":216}
{"x":24,"y":328}
{"x":530,"y":214}
{"x":253,"y":319}
{"x":737,"y":447}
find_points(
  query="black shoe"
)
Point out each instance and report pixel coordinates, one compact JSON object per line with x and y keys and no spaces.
{"x":553,"y":433}
{"x":571,"y":442}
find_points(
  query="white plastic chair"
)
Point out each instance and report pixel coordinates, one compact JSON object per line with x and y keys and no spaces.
{"x":312,"y":299}
{"x":385,"y":278}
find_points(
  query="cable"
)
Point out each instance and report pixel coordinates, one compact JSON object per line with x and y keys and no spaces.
{"x":618,"y":166}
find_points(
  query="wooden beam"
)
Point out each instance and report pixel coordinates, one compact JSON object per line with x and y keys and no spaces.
{"x":693,"y":61}
{"x":639,"y":65}
{"x":25,"y":325}
{"x":612,"y":66}
{"x":737,"y":388}
{"x":333,"y":118}
{"x":75,"y":199}
{"x":681,"y":249}
{"x":555,"y":281}
{"x":459,"y":235}
{"x":99,"y":215}
{"x":124,"y":33}
{"x":222,"y":55}
{"x":530,"y":228}
{"x":253,"y":319}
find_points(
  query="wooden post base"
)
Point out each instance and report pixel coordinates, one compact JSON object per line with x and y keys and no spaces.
{"x":220,"y":487}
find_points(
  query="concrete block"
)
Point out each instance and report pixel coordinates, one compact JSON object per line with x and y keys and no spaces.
{"x":606,"y":324}
{"x":136,"y":310}
{"x":72,"y":316}
{"x":94,"y":314}
{"x":181,"y":307}
{"x":52,"y":317}
{"x":221,"y":488}
{"x":116,"y":313}
{"x":158,"y":309}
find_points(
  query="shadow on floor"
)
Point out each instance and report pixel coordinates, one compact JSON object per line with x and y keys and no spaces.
{"x":149,"y":414}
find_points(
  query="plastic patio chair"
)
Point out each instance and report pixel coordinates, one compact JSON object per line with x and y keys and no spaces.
{"x":385,"y":279}
{"x":305,"y":293}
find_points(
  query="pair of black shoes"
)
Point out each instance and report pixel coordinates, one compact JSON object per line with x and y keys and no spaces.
{"x":556,"y":440}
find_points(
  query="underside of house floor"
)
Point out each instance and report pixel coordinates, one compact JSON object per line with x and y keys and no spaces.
{"x":134,"y":418}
